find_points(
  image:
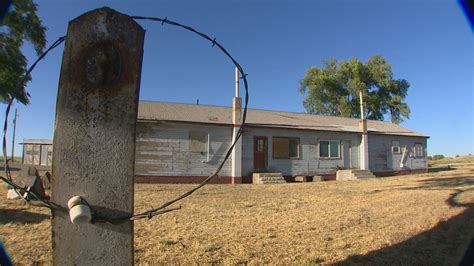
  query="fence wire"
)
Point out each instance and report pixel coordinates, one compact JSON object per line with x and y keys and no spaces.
{"x":163,"y":208}
{"x":19,"y":190}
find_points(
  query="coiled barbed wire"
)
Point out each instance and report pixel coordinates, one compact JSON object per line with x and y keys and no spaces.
{"x":163,"y":207}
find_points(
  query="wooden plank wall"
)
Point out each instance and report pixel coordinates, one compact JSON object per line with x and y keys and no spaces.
{"x":162,"y":149}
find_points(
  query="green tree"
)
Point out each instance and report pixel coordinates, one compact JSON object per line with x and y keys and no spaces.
{"x":334,"y":89}
{"x":19,"y":25}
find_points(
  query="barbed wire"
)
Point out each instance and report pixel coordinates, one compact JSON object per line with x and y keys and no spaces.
{"x":163,"y":207}
{"x":19,"y":190}
{"x":158,"y":210}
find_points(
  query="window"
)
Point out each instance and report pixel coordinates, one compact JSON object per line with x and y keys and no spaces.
{"x":329,"y":149}
{"x":286,"y":148}
{"x":36,"y":154}
{"x":419,"y":151}
{"x":198,"y":141}
{"x":49,"y":160}
{"x":396,"y":147}
{"x":260,"y":145}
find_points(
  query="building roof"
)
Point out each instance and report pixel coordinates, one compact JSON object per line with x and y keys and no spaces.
{"x":220,"y":115}
{"x":37,"y":141}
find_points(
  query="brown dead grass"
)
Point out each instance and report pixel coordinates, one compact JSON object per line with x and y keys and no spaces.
{"x":417,"y":219}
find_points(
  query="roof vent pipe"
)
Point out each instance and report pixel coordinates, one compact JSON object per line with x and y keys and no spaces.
{"x":236,"y":82}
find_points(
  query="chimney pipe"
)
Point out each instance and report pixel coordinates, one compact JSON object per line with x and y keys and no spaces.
{"x":236,"y":156}
{"x":236,"y":82}
{"x":364,"y":144}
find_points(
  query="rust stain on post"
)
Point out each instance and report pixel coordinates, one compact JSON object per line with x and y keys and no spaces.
{"x":94,"y":138}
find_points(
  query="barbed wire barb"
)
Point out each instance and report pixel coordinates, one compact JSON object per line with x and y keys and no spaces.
{"x":163,"y":207}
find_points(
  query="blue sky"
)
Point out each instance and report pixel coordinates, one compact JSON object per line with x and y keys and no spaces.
{"x":428,"y":43}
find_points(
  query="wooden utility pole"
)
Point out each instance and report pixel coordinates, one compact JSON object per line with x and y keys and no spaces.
{"x":14,"y":132}
{"x":94,"y":138}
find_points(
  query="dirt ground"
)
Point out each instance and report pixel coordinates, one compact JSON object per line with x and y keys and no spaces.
{"x":416,"y":219}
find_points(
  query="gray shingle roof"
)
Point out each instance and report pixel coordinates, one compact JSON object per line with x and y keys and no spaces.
{"x":37,"y":141}
{"x":178,"y":112}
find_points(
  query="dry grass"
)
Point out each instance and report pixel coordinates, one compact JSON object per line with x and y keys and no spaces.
{"x":465,"y":160}
{"x":418,"y":219}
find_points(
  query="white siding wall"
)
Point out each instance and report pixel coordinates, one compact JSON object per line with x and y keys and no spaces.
{"x":162,"y":149}
{"x":309,"y":162}
{"x":382,"y":159}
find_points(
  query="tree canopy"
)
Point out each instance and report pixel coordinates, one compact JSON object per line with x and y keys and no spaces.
{"x":334,"y":89}
{"x":19,"y":25}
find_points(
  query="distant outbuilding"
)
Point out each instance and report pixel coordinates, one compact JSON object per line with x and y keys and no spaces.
{"x":37,"y":152}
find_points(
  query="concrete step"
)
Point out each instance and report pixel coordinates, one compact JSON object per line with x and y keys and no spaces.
{"x":359,"y":171}
{"x":353,"y":174}
{"x":268,"y":178}
{"x":270,"y":182}
{"x":267,"y":174}
{"x":360,"y":174}
{"x":364,"y":176}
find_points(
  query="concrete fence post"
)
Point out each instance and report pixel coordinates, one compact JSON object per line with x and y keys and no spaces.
{"x":94,"y":137}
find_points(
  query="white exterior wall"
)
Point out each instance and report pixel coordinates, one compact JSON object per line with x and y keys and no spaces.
{"x":162,"y":149}
{"x":382,"y":159}
{"x":309,"y":162}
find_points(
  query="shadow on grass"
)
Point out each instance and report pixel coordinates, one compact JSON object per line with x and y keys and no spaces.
{"x":445,"y":182}
{"x":21,"y":217}
{"x":440,"y":169}
{"x":445,"y":244}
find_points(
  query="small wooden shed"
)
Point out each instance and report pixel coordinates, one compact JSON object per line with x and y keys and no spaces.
{"x":37,"y":152}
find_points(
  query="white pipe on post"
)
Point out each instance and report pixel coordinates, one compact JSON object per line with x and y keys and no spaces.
{"x":236,"y":82}
{"x":236,"y":121}
{"x":208,"y":147}
{"x":364,"y":145}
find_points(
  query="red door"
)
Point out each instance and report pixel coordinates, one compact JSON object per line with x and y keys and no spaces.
{"x":260,"y":147}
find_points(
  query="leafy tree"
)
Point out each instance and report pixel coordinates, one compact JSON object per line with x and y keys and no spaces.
{"x":19,"y":25}
{"x":438,"y":157}
{"x":334,"y":89}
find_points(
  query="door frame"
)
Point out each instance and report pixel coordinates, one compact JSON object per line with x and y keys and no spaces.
{"x":348,"y":142}
{"x":265,"y":138}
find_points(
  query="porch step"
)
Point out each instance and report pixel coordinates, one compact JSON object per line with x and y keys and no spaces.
{"x":353,"y":174}
{"x":267,"y":178}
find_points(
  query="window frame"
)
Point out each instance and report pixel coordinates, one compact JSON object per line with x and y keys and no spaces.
{"x":298,"y":157}
{"x":198,"y":141}
{"x":396,"y":146}
{"x":422,"y":150}
{"x":329,"y":149}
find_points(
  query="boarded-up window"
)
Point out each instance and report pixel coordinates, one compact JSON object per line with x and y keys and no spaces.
{"x":419,"y":151}
{"x":28,"y":159}
{"x":395,"y":146}
{"x":198,"y":141}
{"x":36,"y":154}
{"x":286,"y":148}
{"x":50,"y":155}
{"x":329,"y":149}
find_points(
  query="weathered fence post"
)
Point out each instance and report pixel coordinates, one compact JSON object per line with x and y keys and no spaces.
{"x":94,"y":138}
